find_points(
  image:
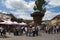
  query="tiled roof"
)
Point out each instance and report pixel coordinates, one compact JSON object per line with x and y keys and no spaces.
{"x":58,"y":16}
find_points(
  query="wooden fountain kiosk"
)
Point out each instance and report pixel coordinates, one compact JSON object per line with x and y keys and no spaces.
{"x":39,"y":11}
{"x":37,"y":17}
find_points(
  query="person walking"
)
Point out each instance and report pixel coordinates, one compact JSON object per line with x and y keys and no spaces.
{"x":30,"y":31}
{"x":1,"y":30}
{"x":14,"y":31}
{"x":57,"y":28}
{"x":21,"y":30}
{"x":33,"y":29}
{"x":36,"y":30}
{"x":17,"y":30}
{"x":26,"y":31}
{"x":4,"y":33}
{"x":54,"y":29}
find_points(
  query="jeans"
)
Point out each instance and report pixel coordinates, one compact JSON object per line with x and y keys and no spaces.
{"x":33,"y":33}
{"x":36,"y":32}
{"x":30,"y":33}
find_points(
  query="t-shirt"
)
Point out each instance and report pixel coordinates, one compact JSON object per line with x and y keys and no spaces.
{"x":57,"y":27}
{"x":33,"y":28}
{"x":25,"y":28}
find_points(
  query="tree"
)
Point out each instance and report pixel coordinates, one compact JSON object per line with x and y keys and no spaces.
{"x":39,"y":11}
{"x":28,"y":21}
{"x":13,"y":17}
{"x":40,"y":6}
{"x":19,"y":20}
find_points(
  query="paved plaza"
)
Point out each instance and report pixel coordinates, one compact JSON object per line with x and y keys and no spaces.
{"x":43,"y":36}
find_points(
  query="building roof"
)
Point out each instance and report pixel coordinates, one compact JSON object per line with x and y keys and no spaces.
{"x":10,"y":15}
{"x":58,"y":16}
{"x":5,"y":14}
{"x":13,"y":18}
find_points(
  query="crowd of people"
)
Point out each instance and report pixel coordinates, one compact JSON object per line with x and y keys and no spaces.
{"x":28,"y":30}
{"x":51,"y":29}
{"x":2,"y":31}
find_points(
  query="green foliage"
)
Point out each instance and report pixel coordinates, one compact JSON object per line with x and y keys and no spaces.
{"x":19,"y":20}
{"x":28,"y":21}
{"x":13,"y":17}
{"x":39,"y":5}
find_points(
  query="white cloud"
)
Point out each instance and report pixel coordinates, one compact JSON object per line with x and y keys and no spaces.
{"x":3,"y":11}
{"x":26,"y":17}
{"x":20,"y":7}
{"x":49,"y":15}
{"x":0,"y":10}
{"x":53,"y":3}
{"x":19,"y":4}
{"x":22,"y":14}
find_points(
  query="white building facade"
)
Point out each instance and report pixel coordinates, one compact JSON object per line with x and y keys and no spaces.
{"x":5,"y":17}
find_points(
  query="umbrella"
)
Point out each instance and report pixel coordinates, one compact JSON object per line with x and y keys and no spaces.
{"x":22,"y":23}
{"x":15,"y":23}
{"x":6,"y":22}
{"x":2,"y":22}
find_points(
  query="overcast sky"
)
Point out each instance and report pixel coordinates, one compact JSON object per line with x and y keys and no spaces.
{"x":23,"y":8}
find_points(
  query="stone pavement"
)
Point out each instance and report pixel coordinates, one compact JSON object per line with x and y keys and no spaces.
{"x":44,"y":36}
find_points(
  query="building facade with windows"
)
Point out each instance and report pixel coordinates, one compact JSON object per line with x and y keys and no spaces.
{"x":56,"y":20}
{"x":4,"y":16}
